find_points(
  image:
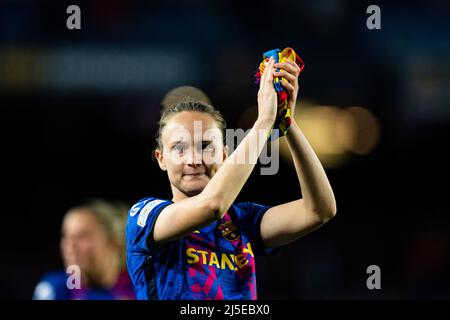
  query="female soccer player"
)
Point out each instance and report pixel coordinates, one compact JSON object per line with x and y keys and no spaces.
{"x":92,"y":240}
{"x":200,"y":244}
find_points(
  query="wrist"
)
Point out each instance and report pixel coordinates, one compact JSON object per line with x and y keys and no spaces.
{"x":293,"y":122}
{"x":293,"y":127}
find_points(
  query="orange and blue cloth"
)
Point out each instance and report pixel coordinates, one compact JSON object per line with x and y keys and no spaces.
{"x":283,"y":120}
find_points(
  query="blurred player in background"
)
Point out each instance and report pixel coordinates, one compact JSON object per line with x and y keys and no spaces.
{"x":93,"y":240}
{"x":200,"y":244}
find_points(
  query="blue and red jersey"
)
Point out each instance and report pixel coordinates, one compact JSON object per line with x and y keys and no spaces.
{"x":215,"y":262}
{"x":53,"y":286}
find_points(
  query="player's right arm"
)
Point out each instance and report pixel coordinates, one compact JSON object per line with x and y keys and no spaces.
{"x":187,"y":215}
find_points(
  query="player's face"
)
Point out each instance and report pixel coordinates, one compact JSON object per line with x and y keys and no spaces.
{"x":192,"y":152}
{"x":84,"y":241}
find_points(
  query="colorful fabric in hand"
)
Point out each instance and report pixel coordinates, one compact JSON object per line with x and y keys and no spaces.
{"x":283,"y":120}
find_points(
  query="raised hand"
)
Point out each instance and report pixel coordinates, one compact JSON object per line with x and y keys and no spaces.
{"x":267,"y":97}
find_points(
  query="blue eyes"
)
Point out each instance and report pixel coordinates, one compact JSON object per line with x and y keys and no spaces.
{"x":181,"y":147}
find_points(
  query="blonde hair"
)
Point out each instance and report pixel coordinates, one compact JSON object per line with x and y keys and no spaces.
{"x":111,"y":216}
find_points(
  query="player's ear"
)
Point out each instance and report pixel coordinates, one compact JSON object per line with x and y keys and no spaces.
{"x":225,"y":152}
{"x":160,"y":158}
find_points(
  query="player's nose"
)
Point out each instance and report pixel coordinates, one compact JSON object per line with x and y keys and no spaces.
{"x":194,"y":157}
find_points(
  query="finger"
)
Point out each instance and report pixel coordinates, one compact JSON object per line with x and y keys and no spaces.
{"x":269,"y":70}
{"x":284,"y":74}
{"x":289,"y":66}
{"x":289,"y":87}
{"x":264,"y":75}
{"x":294,"y":64}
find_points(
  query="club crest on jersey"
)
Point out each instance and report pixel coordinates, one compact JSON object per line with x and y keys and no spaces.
{"x":229,"y":231}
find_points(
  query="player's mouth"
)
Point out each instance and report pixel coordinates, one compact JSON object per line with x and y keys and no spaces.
{"x":194,"y":175}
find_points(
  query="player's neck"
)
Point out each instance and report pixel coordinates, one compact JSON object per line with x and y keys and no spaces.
{"x":178,"y":195}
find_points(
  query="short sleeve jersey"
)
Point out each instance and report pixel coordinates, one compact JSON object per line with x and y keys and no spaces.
{"x":215,"y":262}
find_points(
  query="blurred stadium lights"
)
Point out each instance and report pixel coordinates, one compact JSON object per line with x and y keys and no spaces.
{"x":358,"y":130}
{"x":97,"y":69}
{"x":336,"y":133}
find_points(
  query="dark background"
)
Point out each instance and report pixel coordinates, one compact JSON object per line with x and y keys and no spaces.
{"x":78,"y":113}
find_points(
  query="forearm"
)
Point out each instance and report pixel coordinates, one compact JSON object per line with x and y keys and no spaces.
{"x":316,"y":189}
{"x":236,"y":169}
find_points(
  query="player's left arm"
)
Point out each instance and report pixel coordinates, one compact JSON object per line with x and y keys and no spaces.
{"x":287,"y":222}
